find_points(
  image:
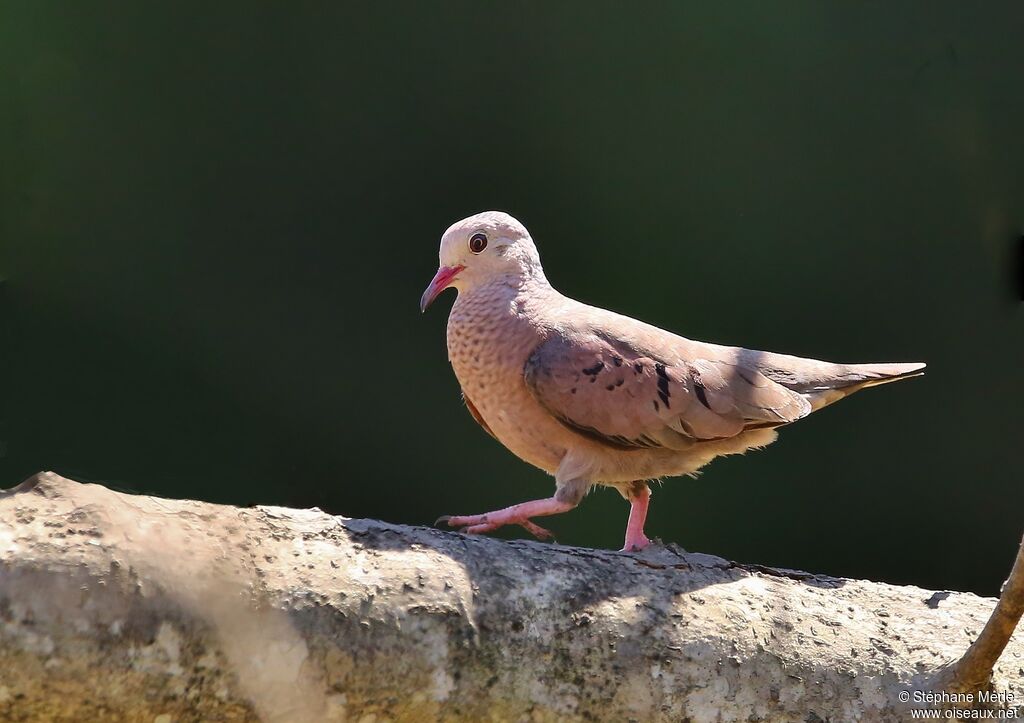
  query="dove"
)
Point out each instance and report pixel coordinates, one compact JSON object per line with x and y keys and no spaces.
{"x":593,"y":397}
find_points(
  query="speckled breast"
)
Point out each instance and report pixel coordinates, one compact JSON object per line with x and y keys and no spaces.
{"x":488,"y":345}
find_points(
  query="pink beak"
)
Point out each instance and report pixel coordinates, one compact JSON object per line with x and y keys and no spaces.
{"x":441,"y":281}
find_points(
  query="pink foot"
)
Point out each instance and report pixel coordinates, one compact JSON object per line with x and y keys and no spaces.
{"x":515,"y":515}
{"x":640,"y":497}
{"x":636,"y":544}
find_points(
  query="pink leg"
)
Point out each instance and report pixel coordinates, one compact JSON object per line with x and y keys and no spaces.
{"x":515,"y":515}
{"x":639,"y":497}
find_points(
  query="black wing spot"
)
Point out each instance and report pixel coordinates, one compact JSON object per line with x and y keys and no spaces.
{"x":701,"y":393}
{"x":663,"y":392}
{"x":617,"y":361}
{"x":594,"y":370}
{"x":610,"y":387}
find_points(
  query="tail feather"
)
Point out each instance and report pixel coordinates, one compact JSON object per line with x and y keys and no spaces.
{"x":862,"y":376}
{"x":874,"y":374}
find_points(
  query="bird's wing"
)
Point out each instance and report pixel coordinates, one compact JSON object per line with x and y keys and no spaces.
{"x":611,"y":389}
{"x":475,"y":413}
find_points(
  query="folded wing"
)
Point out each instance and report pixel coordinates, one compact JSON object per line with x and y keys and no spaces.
{"x":625,"y":396}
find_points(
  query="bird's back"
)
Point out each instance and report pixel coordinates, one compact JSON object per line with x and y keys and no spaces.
{"x":790,"y":386}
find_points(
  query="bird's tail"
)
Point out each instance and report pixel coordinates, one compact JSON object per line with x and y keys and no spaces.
{"x":862,"y":376}
{"x":875,"y":374}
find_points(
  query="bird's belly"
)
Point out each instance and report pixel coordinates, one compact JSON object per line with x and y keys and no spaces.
{"x":526,"y":429}
{"x":518,"y":421}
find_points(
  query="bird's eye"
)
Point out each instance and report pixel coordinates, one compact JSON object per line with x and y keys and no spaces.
{"x":477,"y":243}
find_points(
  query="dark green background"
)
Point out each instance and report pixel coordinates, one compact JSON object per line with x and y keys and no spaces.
{"x":218,"y":219}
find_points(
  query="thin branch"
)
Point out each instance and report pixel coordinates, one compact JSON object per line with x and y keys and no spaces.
{"x":974,"y":670}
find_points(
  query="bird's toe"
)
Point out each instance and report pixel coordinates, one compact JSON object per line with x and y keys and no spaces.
{"x":636,"y":544}
{"x":536,"y":530}
{"x":479,"y":529}
{"x":466,"y":520}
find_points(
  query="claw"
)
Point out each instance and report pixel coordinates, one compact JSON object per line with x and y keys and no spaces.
{"x":442,"y":518}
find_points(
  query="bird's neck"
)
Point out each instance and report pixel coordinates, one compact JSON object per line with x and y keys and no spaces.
{"x":507,"y":291}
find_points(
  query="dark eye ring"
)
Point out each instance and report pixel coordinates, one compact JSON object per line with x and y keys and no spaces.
{"x":477,"y":242}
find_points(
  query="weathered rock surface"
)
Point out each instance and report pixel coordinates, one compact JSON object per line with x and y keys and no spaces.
{"x":121,"y":607}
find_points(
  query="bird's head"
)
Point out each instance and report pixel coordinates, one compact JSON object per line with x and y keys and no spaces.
{"x":481,"y":248}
